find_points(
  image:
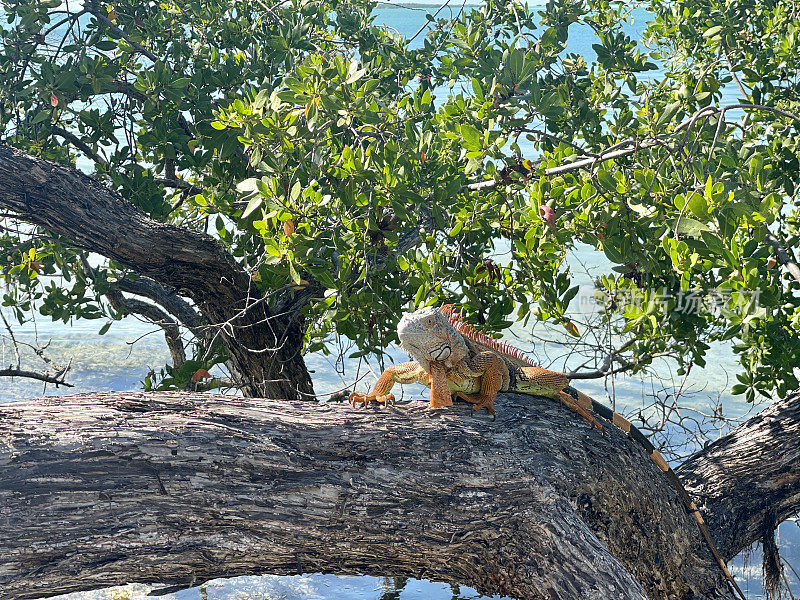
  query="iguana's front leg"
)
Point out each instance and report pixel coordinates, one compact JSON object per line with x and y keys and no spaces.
{"x":493,"y":373}
{"x":407,"y":372}
{"x":440,"y":391}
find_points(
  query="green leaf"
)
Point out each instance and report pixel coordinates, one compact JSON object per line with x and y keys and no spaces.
{"x":692,"y":227}
{"x":756,"y":165}
{"x":354,"y":73}
{"x":516,"y":60}
{"x":471,"y":139}
{"x":106,"y":45}
{"x":295,"y":192}
{"x":419,"y":295}
{"x":477,"y":89}
{"x":712,"y":242}
{"x":254,"y":203}
{"x":456,"y":229}
{"x":668,"y":113}
{"x":42,"y":115}
{"x":698,"y":205}
{"x":606,"y":179}
{"x":271,"y":246}
{"x":248,"y":185}
{"x":426,"y":97}
{"x":295,"y":276}
{"x":712,"y":32}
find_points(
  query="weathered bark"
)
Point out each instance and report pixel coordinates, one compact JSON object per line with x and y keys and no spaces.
{"x":104,"y":489}
{"x":265,"y":348}
{"x":750,"y":478}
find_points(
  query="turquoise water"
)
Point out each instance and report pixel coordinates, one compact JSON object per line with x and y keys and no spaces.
{"x":120,"y":360}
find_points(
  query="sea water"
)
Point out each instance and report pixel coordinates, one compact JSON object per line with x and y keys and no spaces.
{"x":120,"y":359}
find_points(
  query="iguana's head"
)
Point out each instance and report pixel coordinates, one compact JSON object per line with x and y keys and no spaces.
{"x":427,"y":336}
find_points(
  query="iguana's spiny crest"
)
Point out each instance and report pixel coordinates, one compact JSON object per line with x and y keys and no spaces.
{"x":466,"y":330}
{"x":441,"y":334}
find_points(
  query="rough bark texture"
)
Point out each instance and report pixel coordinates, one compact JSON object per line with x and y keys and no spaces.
{"x":104,"y":489}
{"x":97,"y":219}
{"x":749,"y":478}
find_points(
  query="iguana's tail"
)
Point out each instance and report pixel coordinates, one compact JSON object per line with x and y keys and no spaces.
{"x":590,"y":404}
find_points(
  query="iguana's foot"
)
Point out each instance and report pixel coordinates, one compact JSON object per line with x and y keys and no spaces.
{"x":479,"y":401}
{"x":570,"y":402}
{"x":440,"y":401}
{"x":367,"y":399}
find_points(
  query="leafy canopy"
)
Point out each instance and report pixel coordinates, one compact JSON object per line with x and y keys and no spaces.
{"x":328,"y":153}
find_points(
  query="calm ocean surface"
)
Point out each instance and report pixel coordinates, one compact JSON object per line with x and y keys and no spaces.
{"x":120,"y":359}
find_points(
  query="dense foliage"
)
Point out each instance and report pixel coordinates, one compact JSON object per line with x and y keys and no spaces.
{"x":332,"y":156}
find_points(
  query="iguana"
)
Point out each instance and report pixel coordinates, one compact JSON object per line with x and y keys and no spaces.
{"x":453,"y":359}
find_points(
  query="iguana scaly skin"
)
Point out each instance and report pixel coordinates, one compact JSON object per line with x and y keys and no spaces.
{"x":452,"y":359}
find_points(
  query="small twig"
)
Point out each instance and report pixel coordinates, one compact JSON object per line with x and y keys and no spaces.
{"x":136,"y":45}
{"x":79,"y":144}
{"x":427,"y":23}
{"x":624,"y":366}
{"x":739,"y":85}
{"x":57,"y":379}
{"x":14,"y":344}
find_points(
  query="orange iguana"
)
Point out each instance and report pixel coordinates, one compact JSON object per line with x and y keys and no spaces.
{"x":454,"y":360}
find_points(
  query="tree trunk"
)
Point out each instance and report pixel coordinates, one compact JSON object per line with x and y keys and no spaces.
{"x":265,"y":348}
{"x":104,"y":489}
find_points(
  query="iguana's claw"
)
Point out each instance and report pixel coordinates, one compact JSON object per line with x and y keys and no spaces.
{"x":478,"y":403}
{"x":488,"y":406}
{"x":367,"y":399}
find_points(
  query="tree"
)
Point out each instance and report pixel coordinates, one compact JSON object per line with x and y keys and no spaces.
{"x":270,"y":175}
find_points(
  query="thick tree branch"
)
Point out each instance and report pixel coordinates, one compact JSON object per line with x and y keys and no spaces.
{"x":79,"y":144}
{"x":172,"y":332}
{"x":95,"y":218}
{"x":113,"y":26}
{"x":179,"y":488}
{"x":166,"y":298}
{"x":748,"y":477}
{"x":123,"y":87}
{"x":179,"y":184}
